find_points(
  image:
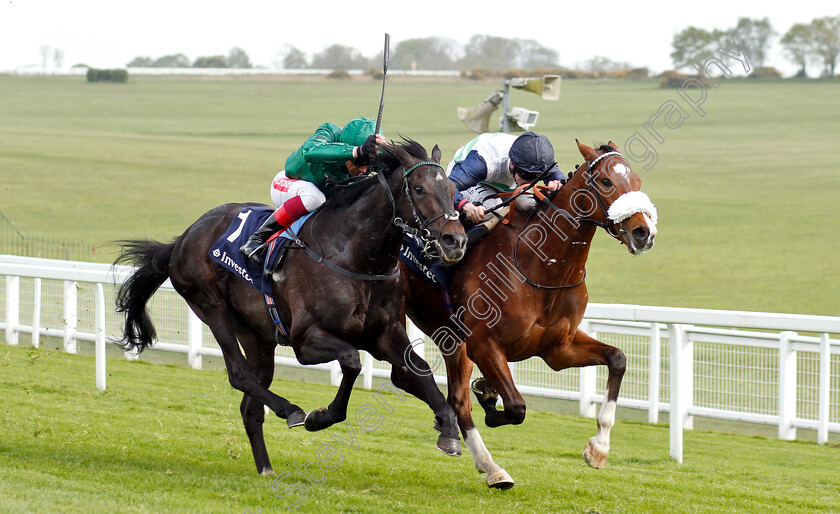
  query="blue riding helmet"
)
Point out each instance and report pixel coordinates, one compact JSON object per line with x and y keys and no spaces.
{"x":532,"y":154}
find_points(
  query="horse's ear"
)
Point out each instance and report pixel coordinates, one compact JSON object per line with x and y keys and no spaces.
{"x":402,"y":155}
{"x":587,"y":152}
{"x":436,"y":154}
{"x":614,"y":146}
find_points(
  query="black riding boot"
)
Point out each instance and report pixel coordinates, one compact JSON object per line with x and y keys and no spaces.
{"x":258,"y":238}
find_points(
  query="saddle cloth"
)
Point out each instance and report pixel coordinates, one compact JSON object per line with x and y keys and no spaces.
{"x":432,"y":271}
{"x":225,"y":251}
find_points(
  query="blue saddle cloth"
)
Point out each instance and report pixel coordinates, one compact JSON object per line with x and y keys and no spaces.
{"x":225,"y":250}
{"x":431,"y":270}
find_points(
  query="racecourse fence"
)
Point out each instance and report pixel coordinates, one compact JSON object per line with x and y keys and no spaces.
{"x":14,"y":242}
{"x":777,"y":369}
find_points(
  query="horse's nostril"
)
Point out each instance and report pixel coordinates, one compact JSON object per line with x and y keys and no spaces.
{"x":641,"y":233}
{"x":452,"y":240}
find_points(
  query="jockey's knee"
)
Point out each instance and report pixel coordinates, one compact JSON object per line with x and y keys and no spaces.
{"x":312,"y":200}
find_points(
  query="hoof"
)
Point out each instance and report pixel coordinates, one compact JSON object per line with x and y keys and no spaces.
{"x":296,"y":419}
{"x":595,"y":458}
{"x":449,"y":445}
{"x":484,"y":393}
{"x":317,"y":420}
{"x":499,"y":479}
{"x":267,"y":471}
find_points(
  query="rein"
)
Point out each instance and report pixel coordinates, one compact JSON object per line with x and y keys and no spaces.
{"x":422,"y":233}
{"x":590,"y":183}
{"x":347,"y":273}
{"x":522,"y":272}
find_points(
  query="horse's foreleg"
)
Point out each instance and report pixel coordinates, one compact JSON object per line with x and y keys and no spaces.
{"x":586,"y":351}
{"x":413,"y":375}
{"x":318,"y":346}
{"x":458,"y":370}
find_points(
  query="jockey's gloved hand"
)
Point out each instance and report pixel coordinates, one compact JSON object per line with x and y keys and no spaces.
{"x":366,"y":152}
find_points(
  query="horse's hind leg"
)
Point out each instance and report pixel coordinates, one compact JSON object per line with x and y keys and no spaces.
{"x":240,"y":375}
{"x":318,"y":346}
{"x":260,"y":356}
{"x":253,"y":414}
{"x":458,"y":370}
{"x":493,"y":365}
{"x":586,"y":351}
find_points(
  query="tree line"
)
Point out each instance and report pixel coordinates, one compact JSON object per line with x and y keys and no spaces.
{"x":432,"y":53}
{"x":816,"y":43}
{"x":236,"y":58}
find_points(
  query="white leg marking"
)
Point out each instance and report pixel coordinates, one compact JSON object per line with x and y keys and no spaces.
{"x":606,"y":420}
{"x":496,"y":476}
{"x":483,"y":460}
{"x":598,"y":449}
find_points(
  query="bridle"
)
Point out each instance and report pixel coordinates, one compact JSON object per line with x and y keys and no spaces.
{"x":590,"y":185}
{"x":421,"y":231}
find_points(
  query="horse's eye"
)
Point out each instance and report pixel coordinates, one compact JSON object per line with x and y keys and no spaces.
{"x":606,"y":182}
{"x":419,"y":190}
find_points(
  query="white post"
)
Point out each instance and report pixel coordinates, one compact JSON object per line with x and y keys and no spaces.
{"x":787,"y":386}
{"x":417,"y":339}
{"x":588,"y":380}
{"x":12,"y":309}
{"x":194,"y":337}
{"x":99,"y":314}
{"x":680,"y":366}
{"x":335,"y":373}
{"x":71,"y":316}
{"x":36,"y":312}
{"x":367,"y":364}
{"x":688,"y":378}
{"x":653,"y":373}
{"x":825,"y":388}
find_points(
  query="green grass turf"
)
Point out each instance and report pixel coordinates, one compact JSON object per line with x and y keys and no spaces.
{"x":165,"y":438}
{"x":746,"y":193}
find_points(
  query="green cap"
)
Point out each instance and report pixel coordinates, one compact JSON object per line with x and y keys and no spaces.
{"x":357,"y":130}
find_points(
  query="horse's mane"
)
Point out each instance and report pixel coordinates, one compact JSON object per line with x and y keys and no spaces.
{"x":605,"y":148}
{"x":601,"y":147}
{"x":386,"y":162}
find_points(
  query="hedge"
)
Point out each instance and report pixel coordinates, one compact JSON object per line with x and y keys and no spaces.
{"x":117,"y":75}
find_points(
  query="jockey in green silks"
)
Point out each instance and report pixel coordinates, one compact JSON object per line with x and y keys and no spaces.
{"x":331,"y":153}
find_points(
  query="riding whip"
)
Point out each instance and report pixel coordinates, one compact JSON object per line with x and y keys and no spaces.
{"x":385,"y":59}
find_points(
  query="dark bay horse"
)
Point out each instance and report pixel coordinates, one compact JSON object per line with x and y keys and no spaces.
{"x":351,"y":301}
{"x":520,"y":293}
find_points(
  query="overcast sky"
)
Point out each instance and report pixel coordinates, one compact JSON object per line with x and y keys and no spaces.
{"x":110,"y":33}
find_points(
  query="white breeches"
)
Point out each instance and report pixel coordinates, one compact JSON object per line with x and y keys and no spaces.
{"x":284,"y":188}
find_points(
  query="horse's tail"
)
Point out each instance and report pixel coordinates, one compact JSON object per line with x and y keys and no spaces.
{"x":152,"y":261}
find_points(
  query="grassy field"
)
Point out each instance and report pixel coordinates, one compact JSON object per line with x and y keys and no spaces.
{"x":746,"y":192}
{"x":169,"y":439}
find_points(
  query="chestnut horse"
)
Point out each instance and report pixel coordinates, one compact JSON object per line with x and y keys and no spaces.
{"x":342,"y":299}
{"x":520,"y":292}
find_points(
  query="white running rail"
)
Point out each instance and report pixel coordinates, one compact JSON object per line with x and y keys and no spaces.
{"x":769,"y":368}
